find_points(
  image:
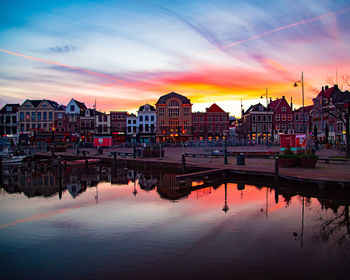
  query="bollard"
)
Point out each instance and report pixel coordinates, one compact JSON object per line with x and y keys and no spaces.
{"x":0,"y":171}
{"x":183,"y":162}
{"x":160,"y":150}
{"x":276,"y":168}
{"x":115,"y":157}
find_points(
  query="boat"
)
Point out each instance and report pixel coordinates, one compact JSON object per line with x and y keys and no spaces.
{"x":10,"y":159}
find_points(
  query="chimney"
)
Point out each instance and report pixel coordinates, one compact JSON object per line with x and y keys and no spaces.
{"x":326,"y":87}
{"x":283,"y":97}
{"x":291,"y":103}
{"x":336,"y":86}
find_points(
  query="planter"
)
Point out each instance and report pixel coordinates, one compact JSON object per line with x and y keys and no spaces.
{"x":308,"y":162}
{"x":287,"y":162}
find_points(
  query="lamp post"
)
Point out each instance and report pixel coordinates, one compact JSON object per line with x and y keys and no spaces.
{"x":302,"y":90}
{"x":267,"y":115}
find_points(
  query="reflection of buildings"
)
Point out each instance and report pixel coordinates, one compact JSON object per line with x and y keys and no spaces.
{"x":171,"y":188}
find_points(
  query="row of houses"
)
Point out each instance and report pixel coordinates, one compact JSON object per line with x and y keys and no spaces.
{"x":325,"y":119}
{"x":172,"y":120}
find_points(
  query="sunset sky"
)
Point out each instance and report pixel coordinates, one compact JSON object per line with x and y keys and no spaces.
{"x":127,"y":53}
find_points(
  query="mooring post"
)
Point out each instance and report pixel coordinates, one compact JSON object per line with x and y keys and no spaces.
{"x":183,"y":162}
{"x":134,"y":150}
{"x":225,"y":151}
{"x":115,"y":157}
{"x":276,"y":168}
{"x":1,"y":171}
{"x":160,"y":150}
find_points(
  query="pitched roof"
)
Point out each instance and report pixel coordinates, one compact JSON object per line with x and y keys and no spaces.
{"x":275,"y":103}
{"x":53,"y":103}
{"x":328,"y":92}
{"x":81,"y":105}
{"x":35,"y":103}
{"x":214,"y":109}
{"x":306,"y":108}
{"x":142,"y":108}
{"x":13,"y":106}
{"x":255,"y":108}
{"x":163,"y":99}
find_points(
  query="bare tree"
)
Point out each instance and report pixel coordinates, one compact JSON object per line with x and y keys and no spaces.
{"x":336,"y":227}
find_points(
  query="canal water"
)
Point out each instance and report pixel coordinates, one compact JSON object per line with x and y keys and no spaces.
{"x":116,"y":223}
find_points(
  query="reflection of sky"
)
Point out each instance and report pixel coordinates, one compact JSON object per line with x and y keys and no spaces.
{"x":135,"y":51}
{"x":131,"y":235}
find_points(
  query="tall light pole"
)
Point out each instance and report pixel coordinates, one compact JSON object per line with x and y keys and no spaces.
{"x":302,"y":90}
{"x":267,"y":116}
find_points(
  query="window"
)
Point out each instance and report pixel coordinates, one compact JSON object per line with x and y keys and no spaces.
{"x":161,"y":112}
{"x":50,"y":116}
{"x":27,"y":127}
{"x":44,"y":116}
{"x":284,"y":126}
{"x":254,"y":127}
{"x":209,"y":118}
{"x":146,"y":118}
{"x":186,"y":112}
{"x":27,"y":116}
{"x":59,"y":123}
{"x":290,"y":117}
{"x":216,"y":118}
{"x":134,"y":121}
{"x":141,"y":118}
{"x":21,"y":116}
{"x":8,"y":109}
{"x":284,"y":109}
{"x":297,"y":117}
{"x":200,"y":118}
{"x":284,"y":117}
{"x":194,"y":118}
{"x":269,"y":118}
{"x":146,"y":127}
{"x":278,"y":127}
{"x":259,"y":118}
{"x":22,"y":127}
{"x":258,"y":127}
{"x":173,"y":112}
{"x":39,"y":125}
{"x":39,"y":116}
{"x":264,"y":118}
{"x":129,"y":121}
{"x":174,"y":124}
{"x":253,"y":118}
{"x":33,"y":125}
{"x":33,"y":116}
{"x":152,"y":118}
{"x":72,"y":108}
{"x":174,"y":103}
{"x":277,"y":117}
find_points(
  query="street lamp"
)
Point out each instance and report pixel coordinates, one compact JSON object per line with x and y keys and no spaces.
{"x":267,"y":115}
{"x":302,"y":89}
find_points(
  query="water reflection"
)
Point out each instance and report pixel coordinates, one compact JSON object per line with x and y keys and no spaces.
{"x":124,"y":216}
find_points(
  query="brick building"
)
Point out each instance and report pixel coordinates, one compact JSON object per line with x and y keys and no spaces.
{"x":118,"y":126}
{"x":283,"y":117}
{"x":213,"y":123}
{"x":174,"y":118}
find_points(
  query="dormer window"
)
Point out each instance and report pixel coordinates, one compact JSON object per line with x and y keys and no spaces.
{"x":284,"y":109}
{"x":260,"y":108}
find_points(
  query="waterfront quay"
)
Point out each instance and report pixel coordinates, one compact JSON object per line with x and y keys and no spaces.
{"x":259,"y":160}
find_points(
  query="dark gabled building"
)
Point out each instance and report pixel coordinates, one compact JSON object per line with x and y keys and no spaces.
{"x":257,"y":123}
{"x":9,"y":120}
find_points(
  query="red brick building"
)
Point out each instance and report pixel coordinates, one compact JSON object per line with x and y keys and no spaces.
{"x":118,"y":126}
{"x":283,"y":117}
{"x":211,"y":124}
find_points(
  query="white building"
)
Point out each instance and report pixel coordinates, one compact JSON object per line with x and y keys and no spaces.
{"x":132,"y":126}
{"x":147,"y":120}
